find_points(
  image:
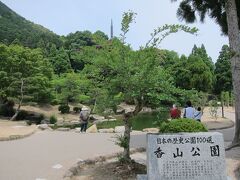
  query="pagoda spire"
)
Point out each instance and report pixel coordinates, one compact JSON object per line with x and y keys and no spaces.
{"x":111,"y":29}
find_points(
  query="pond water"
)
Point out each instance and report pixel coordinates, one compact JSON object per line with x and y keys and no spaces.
{"x":147,"y":120}
{"x":140,"y":122}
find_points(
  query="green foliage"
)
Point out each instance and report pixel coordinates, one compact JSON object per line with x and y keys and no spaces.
{"x":121,"y":141}
{"x":182,"y":125}
{"x":70,"y":87}
{"x":19,"y":63}
{"x":127,"y":19}
{"x":77,"y":109}
{"x":84,"y":99}
{"x":110,"y":124}
{"x":202,"y":53}
{"x":7,"y":110}
{"x":64,"y":108}
{"x":223,"y":71}
{"x":14,"y":29}
{"x":225,"y":98}
{"x":213,"y":104}
{"x":167,"y":30}
{"x":192,"y":73}
{"x":189,"y":9}
{"x":53,"y":119}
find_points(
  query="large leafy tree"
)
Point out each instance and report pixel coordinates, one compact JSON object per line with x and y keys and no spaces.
{"x":192,"y":73}
{"x":227,"y":14}
{"x":24,"y":73}
{"x":135,"y":75}
{"x":70,"y":87}
{"x":202,"y":53}
{"x":60,"y":60}
{"x":223,"y":71}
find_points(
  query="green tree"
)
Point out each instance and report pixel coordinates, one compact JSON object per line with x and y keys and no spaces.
{"x":136,"y":76}
{"x":60,"y":60}
{"x":202,"y":53}
{"x":70,"y":87}
{"x":192,"y":73}
{"x":223,"y":72}
{"x":24,"y":73}
{"x":227,"y":15}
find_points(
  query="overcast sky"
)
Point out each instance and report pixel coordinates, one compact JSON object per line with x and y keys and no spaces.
{"x":65,"y":16}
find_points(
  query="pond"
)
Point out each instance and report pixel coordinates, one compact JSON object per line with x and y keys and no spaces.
{"x":140,"y":122}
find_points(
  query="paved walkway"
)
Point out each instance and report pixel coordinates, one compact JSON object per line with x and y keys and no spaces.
{"x":48,"y":155}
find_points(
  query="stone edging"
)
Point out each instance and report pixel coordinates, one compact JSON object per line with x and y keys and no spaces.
{"x":75,"y":169}
{"x":237,"y":172}
{"x":15,"y":137}
{"x":225,"y":127}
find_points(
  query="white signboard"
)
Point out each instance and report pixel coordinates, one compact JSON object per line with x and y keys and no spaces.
{"x":187,"y":156}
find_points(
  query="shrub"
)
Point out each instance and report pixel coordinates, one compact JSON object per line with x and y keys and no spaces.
{"x":22,"y":115}
{"x":53,"y":119}
{"x":55,"y":102}
{"x":84,"y":99}
{"x":64,"y":108}
{"x":182,"y":125}
{"x":77,"y":109}
{"x":7,"y":109}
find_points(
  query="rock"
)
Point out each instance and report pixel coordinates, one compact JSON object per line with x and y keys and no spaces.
{"x":151,"y":130}
{"x":43,"y":126}
{"x":51,"y":125}
{"x":119,"y":129}
{"x":111,"y":130}
{"x":147,"y":110}
{"x":92,"y":129}
{"x":45,"y":121}
{"x":75,"y":122}
{"x":77,"y":130}
{"x":103,"y":120}
{"x":112,"y":119}
{"x":96,"y":117}
{"x":63,"y":129}
{"x":108,"y":111}
{"x":120,"y":110}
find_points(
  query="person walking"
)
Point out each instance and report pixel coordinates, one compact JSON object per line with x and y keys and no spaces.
{"x":84,"y":116}
{"x":175,"y":113}
{"x":189,"y":111}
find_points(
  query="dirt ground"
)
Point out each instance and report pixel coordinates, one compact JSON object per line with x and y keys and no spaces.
{"x":49,"y":110}
{"x":15,"y":129}
{"x":111,"y":171}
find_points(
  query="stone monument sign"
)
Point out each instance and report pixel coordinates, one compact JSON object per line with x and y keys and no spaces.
{"x":186,"y":156}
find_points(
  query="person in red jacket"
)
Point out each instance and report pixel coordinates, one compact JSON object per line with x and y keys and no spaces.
{"x":175,"y":113}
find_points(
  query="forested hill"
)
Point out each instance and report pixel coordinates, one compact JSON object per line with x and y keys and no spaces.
{"x":16,"y":29}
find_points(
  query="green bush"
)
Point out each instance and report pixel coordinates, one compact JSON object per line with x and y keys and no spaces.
{"x":84,"y":99}
{"x":7,"y":109}
{"x":55,"y":102}
{"x":182,"y":125}
{"x":53,"y":119}
{"x":77,"y":109}
{"x":64,"y":108}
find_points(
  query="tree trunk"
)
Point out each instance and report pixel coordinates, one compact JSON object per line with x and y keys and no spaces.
{"x":234,"y":41}
{"x":127,"y":125}
{"x":20,"y":103}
